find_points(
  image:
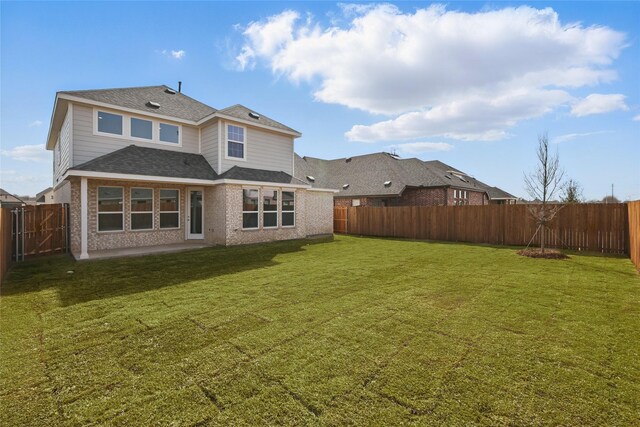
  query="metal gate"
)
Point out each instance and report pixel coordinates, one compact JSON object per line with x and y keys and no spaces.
{"x":39,"y":230}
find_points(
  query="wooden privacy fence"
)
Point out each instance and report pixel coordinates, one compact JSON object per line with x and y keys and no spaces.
{"x":40,"y":230}
{"x":5,"y":241}
{"x":588,"y":227}
{"x":340,"y":220}
{"x":634,"y":232}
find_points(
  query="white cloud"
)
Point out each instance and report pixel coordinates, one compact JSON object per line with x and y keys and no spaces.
{"x":636,"y":118}
{"x":422,"y":147}
{"x":36,"y":123}
{"x":598,"y":104}
{"x":474,"y":118}
{"x":175,"y":54}
{"x":571,"y":136}
{"x":431,"y":66}
{"x":28,"y":153}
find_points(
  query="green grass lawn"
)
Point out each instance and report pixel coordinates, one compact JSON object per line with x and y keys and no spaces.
{"x":356,"y":331}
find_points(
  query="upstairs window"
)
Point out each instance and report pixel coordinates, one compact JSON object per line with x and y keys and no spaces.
{"x":235,"y":142}
{"x":270,"y":208}
{"x":141,"y":128}
{"x":109,"y":123}
{"x":110,"y":209}
{"x":249,"y":208}
{"x":141,"y":209}
{"x":288,"y":209}
{"x":169,"y":133}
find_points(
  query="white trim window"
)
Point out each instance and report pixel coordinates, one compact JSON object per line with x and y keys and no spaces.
{"x":141,"y":129}
{"x":110,"y":209}
{"x":141,"y":209}
{"x":460,"y":197}
{"x":288,"y":209}
{"x":136,"y":128}
{"x":269,"y":208}
{"x":169,"y":208}
{"x":59,"y":150}
{"x":169,"y":134}
{"x":236,"y":138}
{"x":250,"y":209}
{"x":109,"y":123}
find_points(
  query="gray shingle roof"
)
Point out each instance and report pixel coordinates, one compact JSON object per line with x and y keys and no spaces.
{"x":498,"y":193}
{"x":152,"y":162}
{"x":367,"y":174}
{"x":242,"y":112}
{"x":135,"y":160}
{"x":247,"y":174}
{"x":175,"y":105}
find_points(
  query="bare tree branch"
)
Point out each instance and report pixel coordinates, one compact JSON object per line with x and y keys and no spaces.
{"x":543,"y":184}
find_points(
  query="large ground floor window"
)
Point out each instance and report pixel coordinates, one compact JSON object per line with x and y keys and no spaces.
{"x":169,"y":208}
{"x":288,"y":209}
{"x":110,"y":209}
{"x":250,"y":219}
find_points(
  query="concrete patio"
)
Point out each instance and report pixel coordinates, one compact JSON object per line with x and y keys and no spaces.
{"x":145,"y":250}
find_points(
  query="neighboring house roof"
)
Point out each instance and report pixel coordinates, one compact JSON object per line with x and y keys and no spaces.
{"x":496,"y":193}
{"x":174,"y":104}
{"x":381,"y":174}
{"x":41,"y":196}
{"x":136,"y":160}
{"x":6,"y":197}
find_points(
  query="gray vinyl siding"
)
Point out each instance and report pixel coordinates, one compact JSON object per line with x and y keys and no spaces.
{"x":87,"y":146}
{"x":263,"y":150}
{"x":210,"y":145}
{"x":62,"y":154}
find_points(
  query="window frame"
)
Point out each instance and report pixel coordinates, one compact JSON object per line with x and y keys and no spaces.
{"x":126,"y":128}
{"x":227,"y":140}
{"x":59,"y":150}
{"x":96,"y":128}
{"x":282,"y":211}
{"x":98,"y":213}
{"x":157,"y":125}
{"x":152,"y":212}
{"x":258,"y":212}
{"x":137,"y":138}
{"x":160,"y":211}
{"x":276,"y":212}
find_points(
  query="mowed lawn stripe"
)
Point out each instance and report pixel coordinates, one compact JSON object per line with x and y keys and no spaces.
{"x":354,"y":330}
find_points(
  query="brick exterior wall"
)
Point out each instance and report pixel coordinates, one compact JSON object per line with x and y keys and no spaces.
{"x":97,"y":240}
{"x":416,"y":197}
{"x":313,"y":216}
{"x":222,"y":221}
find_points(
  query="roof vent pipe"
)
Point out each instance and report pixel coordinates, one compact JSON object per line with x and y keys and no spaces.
{"x":180,"y":87}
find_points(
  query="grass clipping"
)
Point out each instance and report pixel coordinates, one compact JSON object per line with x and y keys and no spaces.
{"x":548,"y":253}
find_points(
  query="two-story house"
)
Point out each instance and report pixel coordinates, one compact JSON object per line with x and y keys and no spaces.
{"x":148,"y":166}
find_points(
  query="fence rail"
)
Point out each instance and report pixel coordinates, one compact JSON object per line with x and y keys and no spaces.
{"x":587,"y":227}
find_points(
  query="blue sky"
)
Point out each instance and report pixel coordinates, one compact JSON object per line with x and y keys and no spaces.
{"x":469,"y":83}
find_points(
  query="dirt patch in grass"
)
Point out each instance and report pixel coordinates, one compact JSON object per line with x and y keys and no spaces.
{"x":548,"y":253}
